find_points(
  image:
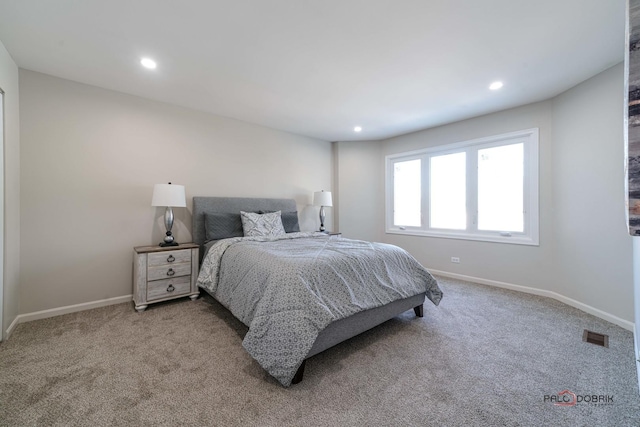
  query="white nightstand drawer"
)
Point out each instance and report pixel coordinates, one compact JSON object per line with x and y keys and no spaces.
{"x":169,"y":271}
{"x":168,"y":288}
{"x":170,"y":257}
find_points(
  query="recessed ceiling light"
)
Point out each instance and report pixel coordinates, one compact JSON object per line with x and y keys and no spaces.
{"x":148,"y":63}
{"x":357,"y":129}
{"x":495,"y":85}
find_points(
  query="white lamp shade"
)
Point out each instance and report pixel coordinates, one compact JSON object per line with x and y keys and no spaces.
{"x":169,"y":195}
{"x":322,"y":198}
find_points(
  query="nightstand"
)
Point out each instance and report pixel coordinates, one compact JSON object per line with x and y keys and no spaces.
{"x":164,"y":273}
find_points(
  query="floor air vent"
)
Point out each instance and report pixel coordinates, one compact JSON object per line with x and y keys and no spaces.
{"x":595,"y":338}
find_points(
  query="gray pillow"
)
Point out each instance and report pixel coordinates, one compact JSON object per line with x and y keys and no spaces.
{"x":218,"y":225}
{"x":289,"y":221}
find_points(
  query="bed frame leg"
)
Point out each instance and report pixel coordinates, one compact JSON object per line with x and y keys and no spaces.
{"x":419,"y":310}
{"x":298,"y":376}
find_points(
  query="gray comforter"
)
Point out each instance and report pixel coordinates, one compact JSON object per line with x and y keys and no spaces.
{"x":288,"y":288}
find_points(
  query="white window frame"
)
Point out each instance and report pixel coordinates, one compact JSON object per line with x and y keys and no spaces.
{"x":530,"y":139}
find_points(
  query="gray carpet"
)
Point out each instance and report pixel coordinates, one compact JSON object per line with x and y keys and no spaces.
{"x":485,"y":356}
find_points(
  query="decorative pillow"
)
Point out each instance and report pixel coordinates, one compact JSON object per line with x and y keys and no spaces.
{"x":220,"y":225}
{"x":289,"y":221}
{"x":268,"y":224}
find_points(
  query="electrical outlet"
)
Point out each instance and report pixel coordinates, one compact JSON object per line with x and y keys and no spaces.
{"x":455,"y":260}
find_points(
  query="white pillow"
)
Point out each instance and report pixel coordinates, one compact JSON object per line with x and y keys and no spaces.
{"x":268,"y":224}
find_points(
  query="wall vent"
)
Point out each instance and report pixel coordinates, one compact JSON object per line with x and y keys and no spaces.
{"x":595,"y":338}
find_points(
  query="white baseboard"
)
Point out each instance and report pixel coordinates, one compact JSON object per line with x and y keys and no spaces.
{"x":11,"y":327}
{"x":21,"y":318}
{"x":550,"y":294}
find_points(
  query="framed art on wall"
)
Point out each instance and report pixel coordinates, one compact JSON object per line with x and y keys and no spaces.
{"x":632,"y":62}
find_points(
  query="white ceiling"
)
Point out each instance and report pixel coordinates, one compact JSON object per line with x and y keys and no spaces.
{"x":321,"y":67}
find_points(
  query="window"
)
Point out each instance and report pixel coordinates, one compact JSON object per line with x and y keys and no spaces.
{"x":485,"y":189}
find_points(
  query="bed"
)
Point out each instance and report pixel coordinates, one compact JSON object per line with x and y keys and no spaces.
{"x":300,"y":293}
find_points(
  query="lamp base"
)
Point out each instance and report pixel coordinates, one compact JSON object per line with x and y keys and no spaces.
{"x":322,"y":218}
{"x":168,"y":239}
{"x":163,"y":244}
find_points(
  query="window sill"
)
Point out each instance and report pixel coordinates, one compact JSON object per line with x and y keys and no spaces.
{"x":513,"y":240}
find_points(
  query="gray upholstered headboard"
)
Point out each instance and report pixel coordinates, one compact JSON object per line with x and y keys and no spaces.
{"x":202,"y":205}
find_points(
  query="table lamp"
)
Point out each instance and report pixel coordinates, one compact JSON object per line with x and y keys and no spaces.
{"x":322,"y":199}
{"x":169,"y":195}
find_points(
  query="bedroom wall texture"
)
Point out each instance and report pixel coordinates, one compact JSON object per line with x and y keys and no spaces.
{"x":11,"y":275}
{"x":594,"y":251}
{"x":585,"y":253}
{"x":360,"y":174}
{"x":90,"y":158}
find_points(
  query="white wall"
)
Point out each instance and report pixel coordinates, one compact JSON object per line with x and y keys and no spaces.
{"x":360,"y":174}
{"x":11,"y":274}
{"x":90,"y":158}
{"x":594,"y":251}
{"x":584,"y":252}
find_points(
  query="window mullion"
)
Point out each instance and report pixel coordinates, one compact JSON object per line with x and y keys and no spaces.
{"x":472,"y":189}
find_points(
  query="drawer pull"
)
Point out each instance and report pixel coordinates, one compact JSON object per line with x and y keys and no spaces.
{"x":171,"y":258}
{"x":170,"y":288}
{"x":170,"y":272}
